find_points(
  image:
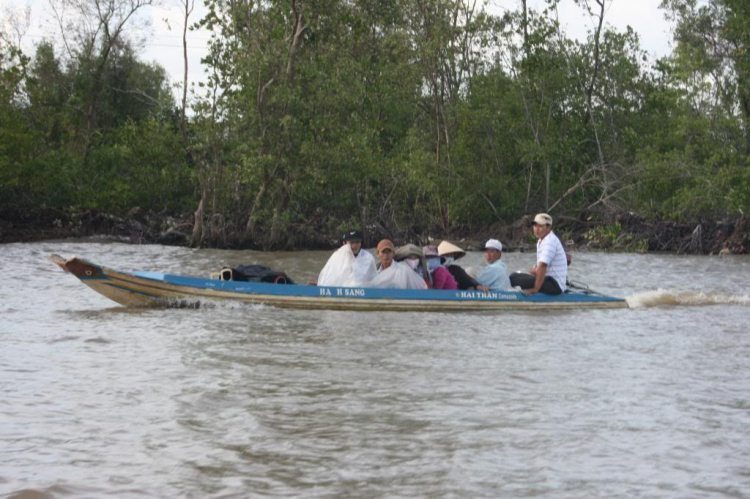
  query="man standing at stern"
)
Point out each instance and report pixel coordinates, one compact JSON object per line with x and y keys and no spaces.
{"x":551,"y":271}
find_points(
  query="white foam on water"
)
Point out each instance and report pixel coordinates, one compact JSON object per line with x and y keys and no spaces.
{"x":210,"y":303}
{"x":665,"y":297}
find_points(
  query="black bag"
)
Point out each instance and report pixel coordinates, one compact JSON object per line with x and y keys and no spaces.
{"x":257,"y":273}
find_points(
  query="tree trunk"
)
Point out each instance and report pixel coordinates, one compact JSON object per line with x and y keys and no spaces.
{"x":297,"y":32}
{"x":198,"y":226}
{"x":744,"y":96}
{"x":251,"y":220}
{"x":592,"y":82}
{"x":547,"y":177}
{"x":183,"y":121}
{"x":525,"y":24}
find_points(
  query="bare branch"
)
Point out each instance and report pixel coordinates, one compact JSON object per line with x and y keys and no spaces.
{"x":15,"y":24}
{"x":58,"y":12}
{"x":139,"y":93}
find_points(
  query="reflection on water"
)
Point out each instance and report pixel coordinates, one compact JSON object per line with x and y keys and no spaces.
{"x":245,"y":400}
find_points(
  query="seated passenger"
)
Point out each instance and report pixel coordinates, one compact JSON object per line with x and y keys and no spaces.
{"x":450,"y":253}
{"x":392,"y":274}
{"x":441,"y":277}
{"x":495,"y":275}
{"x":350,"y":265}
{"x":364,"y":263}
{"x":412,"y":255}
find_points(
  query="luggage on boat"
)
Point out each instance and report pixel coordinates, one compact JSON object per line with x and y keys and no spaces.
{"x":255,"y":273}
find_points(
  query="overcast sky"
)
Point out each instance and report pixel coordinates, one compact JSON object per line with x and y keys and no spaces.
{"x":164,"y":42}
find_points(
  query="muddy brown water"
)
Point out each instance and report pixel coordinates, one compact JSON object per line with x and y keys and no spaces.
{"x":240,"y":400}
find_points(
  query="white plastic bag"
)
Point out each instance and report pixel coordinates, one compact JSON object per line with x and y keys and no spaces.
{"x":363,"y":268}
{"x":338,"y":269}
{"x":398,"y":276}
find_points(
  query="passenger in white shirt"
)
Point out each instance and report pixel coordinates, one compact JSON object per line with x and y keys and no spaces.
{"x":550,"y":274}
{"x":495,"y":275}
{"x":393,"y":274}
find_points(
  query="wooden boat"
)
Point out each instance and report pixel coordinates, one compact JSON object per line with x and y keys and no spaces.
{"x":149,"y":289}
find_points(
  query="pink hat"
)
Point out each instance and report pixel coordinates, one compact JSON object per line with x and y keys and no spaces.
{"x":430,"y":251}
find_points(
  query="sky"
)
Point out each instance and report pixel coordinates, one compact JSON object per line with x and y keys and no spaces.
{"x":164,"y":37}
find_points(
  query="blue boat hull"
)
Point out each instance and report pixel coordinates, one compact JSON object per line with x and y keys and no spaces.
{"x":140,"y":289}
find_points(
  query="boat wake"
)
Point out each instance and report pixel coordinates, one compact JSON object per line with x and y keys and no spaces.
{"x":208,"y":303}
{"x":663,"y":297}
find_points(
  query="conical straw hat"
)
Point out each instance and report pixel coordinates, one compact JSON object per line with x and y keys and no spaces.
{"x":446,"y":248}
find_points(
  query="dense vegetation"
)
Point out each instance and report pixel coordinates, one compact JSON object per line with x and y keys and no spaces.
{"x":404,"y":117}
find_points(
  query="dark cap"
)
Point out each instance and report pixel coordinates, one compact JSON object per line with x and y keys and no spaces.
{"x":353,"y":235}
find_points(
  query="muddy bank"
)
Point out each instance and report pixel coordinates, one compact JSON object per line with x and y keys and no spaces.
{"x":140,"y":227}
{"x":625,"y":232}
{"x":137,"y":227}
{"x":629,"y":233}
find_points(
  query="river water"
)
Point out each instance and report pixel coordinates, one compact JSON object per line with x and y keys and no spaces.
{"x":244,"y":400}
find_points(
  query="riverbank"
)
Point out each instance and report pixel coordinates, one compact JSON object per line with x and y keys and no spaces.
{"x":625,"y":233}
{"x":137,"y":227}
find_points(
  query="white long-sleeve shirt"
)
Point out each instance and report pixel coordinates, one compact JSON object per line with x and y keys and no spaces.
{"x":549,"y":250}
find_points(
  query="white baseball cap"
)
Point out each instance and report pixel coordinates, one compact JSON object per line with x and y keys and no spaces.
{"x":543,"y":219}
{"x":493,"y":244}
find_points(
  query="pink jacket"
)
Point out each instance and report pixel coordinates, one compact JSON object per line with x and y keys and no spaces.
{"x":442,"y":279}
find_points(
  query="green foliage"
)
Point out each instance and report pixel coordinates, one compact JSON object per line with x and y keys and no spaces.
{"x":407,"y":118}
{"x":144,"y":165}
{"x":612,"y":237}
{"x":136,"y":159}
{"x":604,"y":236}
